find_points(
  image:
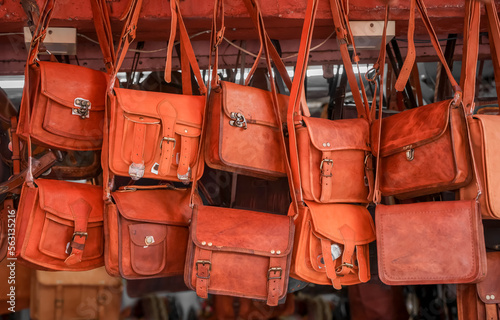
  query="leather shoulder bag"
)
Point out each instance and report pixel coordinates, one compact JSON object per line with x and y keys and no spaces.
{"x":413,"y":139}
{"x":152,"y":134}
{"x":62,"y":105}
{"x":331,"y":239}
{"x":428,"y":242}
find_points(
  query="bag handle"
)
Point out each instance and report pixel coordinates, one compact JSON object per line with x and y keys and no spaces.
{"x":494,"y":38}
{"x":405,"y":71}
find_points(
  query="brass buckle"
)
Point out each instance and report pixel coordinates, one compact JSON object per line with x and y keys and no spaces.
{"x":79,"y":234}
{"x":278,"y":269}
{"x":168,"y":141}
{"x":203,"y":263}
{"x":345,"y":264}
{"x":323,"y":161}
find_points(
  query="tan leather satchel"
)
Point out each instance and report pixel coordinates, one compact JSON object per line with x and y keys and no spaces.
{"x":60,"y":226}
{"x":413,"y":139}
{"x":484,"y":128}
{"x":481,"y":301}
{"x":151,"y":134}
{"x":81,"y":295}
{"x":62,"y":105}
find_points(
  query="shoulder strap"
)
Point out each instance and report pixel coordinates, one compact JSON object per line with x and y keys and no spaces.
{"x":103,"y":29}
{"x":494,"y":38}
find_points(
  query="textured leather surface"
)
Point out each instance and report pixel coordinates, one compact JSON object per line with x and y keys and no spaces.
{"x":143,"y":126}
{"x":436,"y":136}
{"x":231,"y":252}
{"x":348,"y":226}
{"x":488,"y":290}
{"x":253,"y":151}
{"x":53,"y":90}
{"x":229,"y":308}
{"x":413,"y":251}
{"x":81,"y":295}
{"x":485,"y":134}
{"x":47,"y":219}
{"x":152,"y":229}
{"x":344,"y":145}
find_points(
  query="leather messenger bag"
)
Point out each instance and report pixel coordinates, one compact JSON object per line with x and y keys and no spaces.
{"x":62,"y":105}
{"x":60,"y":226}
{"x":413,"y":139}
{"x":151,"y":134}
{"x":80,"y":295}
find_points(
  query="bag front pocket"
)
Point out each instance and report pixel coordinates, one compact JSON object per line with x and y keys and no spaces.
{"x":148,"y":248}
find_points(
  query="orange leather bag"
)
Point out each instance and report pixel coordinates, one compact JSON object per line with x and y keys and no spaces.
{"x":428,"y":242}
{"x":60,"y":226}
{"x":89,"y":294}
{"x":413,"y":139}
{"x":484,"y":128}
{"x":331,"y":239}
{"x":151,"y":134}
{"x":481,"y":301}
{"x":62,"y":105}
{"x":242,"y":134}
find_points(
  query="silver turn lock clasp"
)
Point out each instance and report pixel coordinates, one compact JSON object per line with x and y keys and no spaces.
{"x":238,"y":120}
{"x":149,"y":240}
{"x":82,"y":108}
{"x":410,"y":153}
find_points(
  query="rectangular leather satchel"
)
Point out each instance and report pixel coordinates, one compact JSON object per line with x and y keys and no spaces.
{"x":239,"y":253}
{"x":430,"y":243}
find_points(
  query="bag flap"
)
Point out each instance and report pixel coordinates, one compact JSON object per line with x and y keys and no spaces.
{"x":147,"y":234}
{"x":411,"y":128}
{"x":255,"y":104}
{"x":61,"y":198}
{"x":488,"y":290}
{"x":64,"y":83}
{"x":234,"y":230}
{"x":490,"y":125}
{"x":164,"y":206}
{"x":328,"y":219}
{"x":95,"y":277}
{"x":346,"y":134}
{"x":144,"y":103}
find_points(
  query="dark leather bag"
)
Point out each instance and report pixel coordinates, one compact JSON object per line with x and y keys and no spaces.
{"x":62,"y":105}
{"x":60,"y":226}
{"x":413,"y":139}
{"x":81,"y":295}
{"x":481,"y":301}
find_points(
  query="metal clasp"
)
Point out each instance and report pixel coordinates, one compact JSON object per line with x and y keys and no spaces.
{"x":238,"y":120}
{"x":345,"y":264}
{"x":323,"y":161}
{"x":79,"y":234}
{"x":410,"y":153}
{"x":168,"y":141}
{"x":203,"y":263}
{"x":82,"y":108}
{"x":149,"y":240}
{"x":279,"y":270}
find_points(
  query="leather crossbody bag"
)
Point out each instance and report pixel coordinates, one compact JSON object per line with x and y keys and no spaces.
{"x":413,"y":139}
{"x":89,"y":294}
{"x":62,"y":105}
{"x":331,"y":240}
{"x":418,"y":243}
{"x":60,"y":226}
{"x":151,"y":134}
{"x":485,"y":128}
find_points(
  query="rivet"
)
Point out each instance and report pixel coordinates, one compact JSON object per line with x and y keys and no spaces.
{"x":272,"y":251}
{"x":328,"y":144}
{"x":278,"y":252}
{"x":141,"y":118}
{"x":203,"y":243}
{"x":324,"y":144}
{"x":210,"y":244}
{"x":488,"y":297}
{"x":186,"y":130}
{"x":492,"y":296}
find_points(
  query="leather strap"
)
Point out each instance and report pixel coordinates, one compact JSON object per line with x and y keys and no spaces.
{"x":326,"y":176}
{"x":58,"y":303}
{"x":16,"y":153}
{"x":203,"y":267}
{"x":103,"y":28}
{"x":276,"y":278}
{"x":168,"y":116}
{"x":491,"y":311}
{"x":469,"y":61}
{"x":329,"y":263}
{"x":363,"y":259}
{"x":80,"y":210}
{"x":494,"y":38}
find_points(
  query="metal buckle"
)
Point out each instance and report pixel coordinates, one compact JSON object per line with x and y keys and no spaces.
{"x":238,"y":120}
{"x":323,"y":161}
{"x":168,"y":141}
{"x":82,"y":108}
{"x":345,"y":264}
{"x":203,"y":263}
{"x":278,"y":269}
{"x":79,"y":234}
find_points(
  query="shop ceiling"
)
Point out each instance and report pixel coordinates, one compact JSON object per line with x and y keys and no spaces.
{"x":283,"y":19}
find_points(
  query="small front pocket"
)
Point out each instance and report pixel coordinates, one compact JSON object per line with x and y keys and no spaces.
{"x":140,"y":139}
{"x":148,"y":248}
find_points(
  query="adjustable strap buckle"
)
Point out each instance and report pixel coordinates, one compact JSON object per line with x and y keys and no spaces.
{"x":168,"y":139}
{"x":330,"y":161}
{"x":345,"y":264}
{"x":79,"y":234}
{"x":274,"y":270}
{"x":203,"y":263}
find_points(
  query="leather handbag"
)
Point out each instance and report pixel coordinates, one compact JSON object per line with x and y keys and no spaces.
{"x":242,"y":133}
{"x":331,"y":153}
{"x":484,"y":128}
{"x":82,"y":295}
{"x":481,"y":301}
{"x":152,"y":229}
{"x":60,"y":226}
{"x":152,"y":134}
{"x":413,"y":139}
{"x":62,"y":105}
